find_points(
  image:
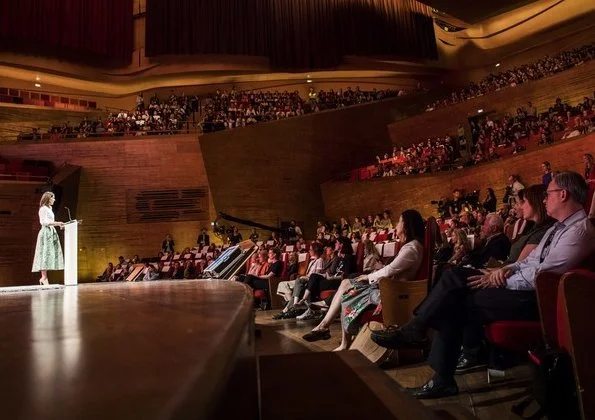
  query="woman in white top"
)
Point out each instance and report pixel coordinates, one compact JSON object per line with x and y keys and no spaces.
{"x":48,"y":252}
{"x":292,"y":291}
{"x":358,"y":294}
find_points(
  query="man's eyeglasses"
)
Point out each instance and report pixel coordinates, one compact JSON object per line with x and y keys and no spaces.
{"x":547,"y":192}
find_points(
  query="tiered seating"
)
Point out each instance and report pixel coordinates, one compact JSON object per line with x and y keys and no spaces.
{"x":24,"y":170}
{"x":25,"y":97}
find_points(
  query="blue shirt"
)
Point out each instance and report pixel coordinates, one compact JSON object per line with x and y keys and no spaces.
{"x":572,"y":242}
{"x":547,"y":178}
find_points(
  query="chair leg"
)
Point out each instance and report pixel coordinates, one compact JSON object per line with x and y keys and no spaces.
{"x":495,"y":373}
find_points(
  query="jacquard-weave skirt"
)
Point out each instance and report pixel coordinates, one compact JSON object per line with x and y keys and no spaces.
{"x":48,"y":251}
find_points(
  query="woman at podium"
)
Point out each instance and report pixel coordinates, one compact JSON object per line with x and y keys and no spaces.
{"x":48,"y":252}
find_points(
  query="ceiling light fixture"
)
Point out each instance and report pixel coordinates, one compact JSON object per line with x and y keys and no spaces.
{"x":497,"y":64}
{"x":38,"y":85}
{"x":480,"y":110}
{"x":309,"y":81}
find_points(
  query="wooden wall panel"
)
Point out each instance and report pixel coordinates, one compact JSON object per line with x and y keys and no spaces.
{"x":19,"y":202}
{"x":271,"y":172}
{"x":571,"y":85}
{"x":404,"y":192}
{"x":109,"y":169}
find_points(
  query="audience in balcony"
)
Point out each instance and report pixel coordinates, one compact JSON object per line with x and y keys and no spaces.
{"x":235,"y":108}
{"x":518,"y":75}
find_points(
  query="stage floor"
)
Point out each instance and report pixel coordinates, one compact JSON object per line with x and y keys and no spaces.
{"x":119,"y":350}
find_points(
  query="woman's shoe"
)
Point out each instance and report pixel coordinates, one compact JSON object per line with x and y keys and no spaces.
{"x":316,"y":335}
{"x":280,"y":315}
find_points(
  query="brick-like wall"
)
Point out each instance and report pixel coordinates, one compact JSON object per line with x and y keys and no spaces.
{"x":404,"y":192}
{"x":110,"y":168}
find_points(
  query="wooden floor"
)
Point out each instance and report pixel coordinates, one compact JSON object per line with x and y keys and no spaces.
{"x":483,"y":400}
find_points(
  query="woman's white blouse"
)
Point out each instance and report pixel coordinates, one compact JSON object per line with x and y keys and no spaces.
{"x":46,"y":216}
{"x":405,"y":265}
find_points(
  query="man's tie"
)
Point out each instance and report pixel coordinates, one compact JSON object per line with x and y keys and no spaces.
{"x":548,"y":242}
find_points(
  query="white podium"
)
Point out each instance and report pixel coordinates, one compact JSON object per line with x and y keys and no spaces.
{"x":71,"y":253}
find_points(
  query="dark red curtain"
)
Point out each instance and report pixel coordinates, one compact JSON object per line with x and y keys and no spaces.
{"x":293,"y":34}
{"x":87,"y":31}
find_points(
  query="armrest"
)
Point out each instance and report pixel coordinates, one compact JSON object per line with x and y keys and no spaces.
{"x":276,"y":300}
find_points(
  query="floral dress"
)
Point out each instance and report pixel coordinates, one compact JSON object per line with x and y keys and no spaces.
{"x":363,"y":295}
{"x":48,"y":251}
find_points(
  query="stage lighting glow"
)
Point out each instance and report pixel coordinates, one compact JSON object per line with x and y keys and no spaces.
{"x":479,"y":111}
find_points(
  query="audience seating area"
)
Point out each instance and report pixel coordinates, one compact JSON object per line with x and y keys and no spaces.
{"x":25,"y":97}
{"x":491,"y":139}
{"x":24,"y":170}
{"x":540,"y":69}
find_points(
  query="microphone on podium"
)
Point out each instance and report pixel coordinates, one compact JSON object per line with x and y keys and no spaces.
{"x":69,"y":217}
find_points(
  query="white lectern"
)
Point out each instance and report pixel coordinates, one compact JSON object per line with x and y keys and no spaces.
{"x":71,"y":253}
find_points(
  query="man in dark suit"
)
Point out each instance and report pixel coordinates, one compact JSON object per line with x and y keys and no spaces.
{"x":203,"y":239}
{"x":496,"y":244}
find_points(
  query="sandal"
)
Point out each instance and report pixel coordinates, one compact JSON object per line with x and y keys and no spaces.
{"x":316,"y":335}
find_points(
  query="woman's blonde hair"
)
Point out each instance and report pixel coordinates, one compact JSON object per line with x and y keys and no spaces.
{"x":462,"y":239}
{"x":370,"y":249}
{"x":45,"y":198}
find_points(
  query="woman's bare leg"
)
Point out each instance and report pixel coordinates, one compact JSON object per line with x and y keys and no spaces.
{"x":44,"y":276}
{"x":346,"y":340}
{"x":335,"y":307}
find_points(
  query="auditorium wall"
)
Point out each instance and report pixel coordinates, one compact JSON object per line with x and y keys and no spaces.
{"x":117,"y":218}
{"x":273,"y":171}
{"x":571,"y":86}
{"x":405,"y":192}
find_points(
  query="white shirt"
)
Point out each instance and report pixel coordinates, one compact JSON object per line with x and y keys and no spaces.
{"x":46,"y":216}
{"x":315,"y":267}
{"x":405,"y":265}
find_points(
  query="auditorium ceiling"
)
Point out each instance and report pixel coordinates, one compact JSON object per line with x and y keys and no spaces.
{"x":475,"y":11}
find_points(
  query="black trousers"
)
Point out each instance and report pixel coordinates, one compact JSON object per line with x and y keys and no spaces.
{"x":458,"y":315}
{"x":318,"y":283}
{"x":254,"y":282}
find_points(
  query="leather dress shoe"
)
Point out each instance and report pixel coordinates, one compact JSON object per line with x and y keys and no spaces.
{"x":407,"y":336}
{"x":434,"y":388}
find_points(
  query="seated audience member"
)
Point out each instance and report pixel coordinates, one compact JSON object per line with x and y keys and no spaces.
{"x":107,"y":273}
{"x":356,"y":295}
{"x":150,"y":273}
{"x":178,"y":273}
{"x":135,"y":259}
{"x":189,"y":270}
{"x":275,"y":269}
{"x":461,"y":247}
{"x":235,"y":237}
{"x":495,"y":243}
{"x":532,"y":209}
{"x":357,"y":226}
{"x":339,"y":264}
{"x":167,"y":246}
{"x":292,"y":291}
{"x":253,"y":236}
{"x":372,"y":258}
{"x":464,"y":300}
{"x":292,"y":265}
{"x":203,"y":239}
{"x":489,"y":203}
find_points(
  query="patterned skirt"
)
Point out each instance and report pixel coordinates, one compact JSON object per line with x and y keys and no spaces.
{"x":355,"y":301}
{"x":48,"y":251}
